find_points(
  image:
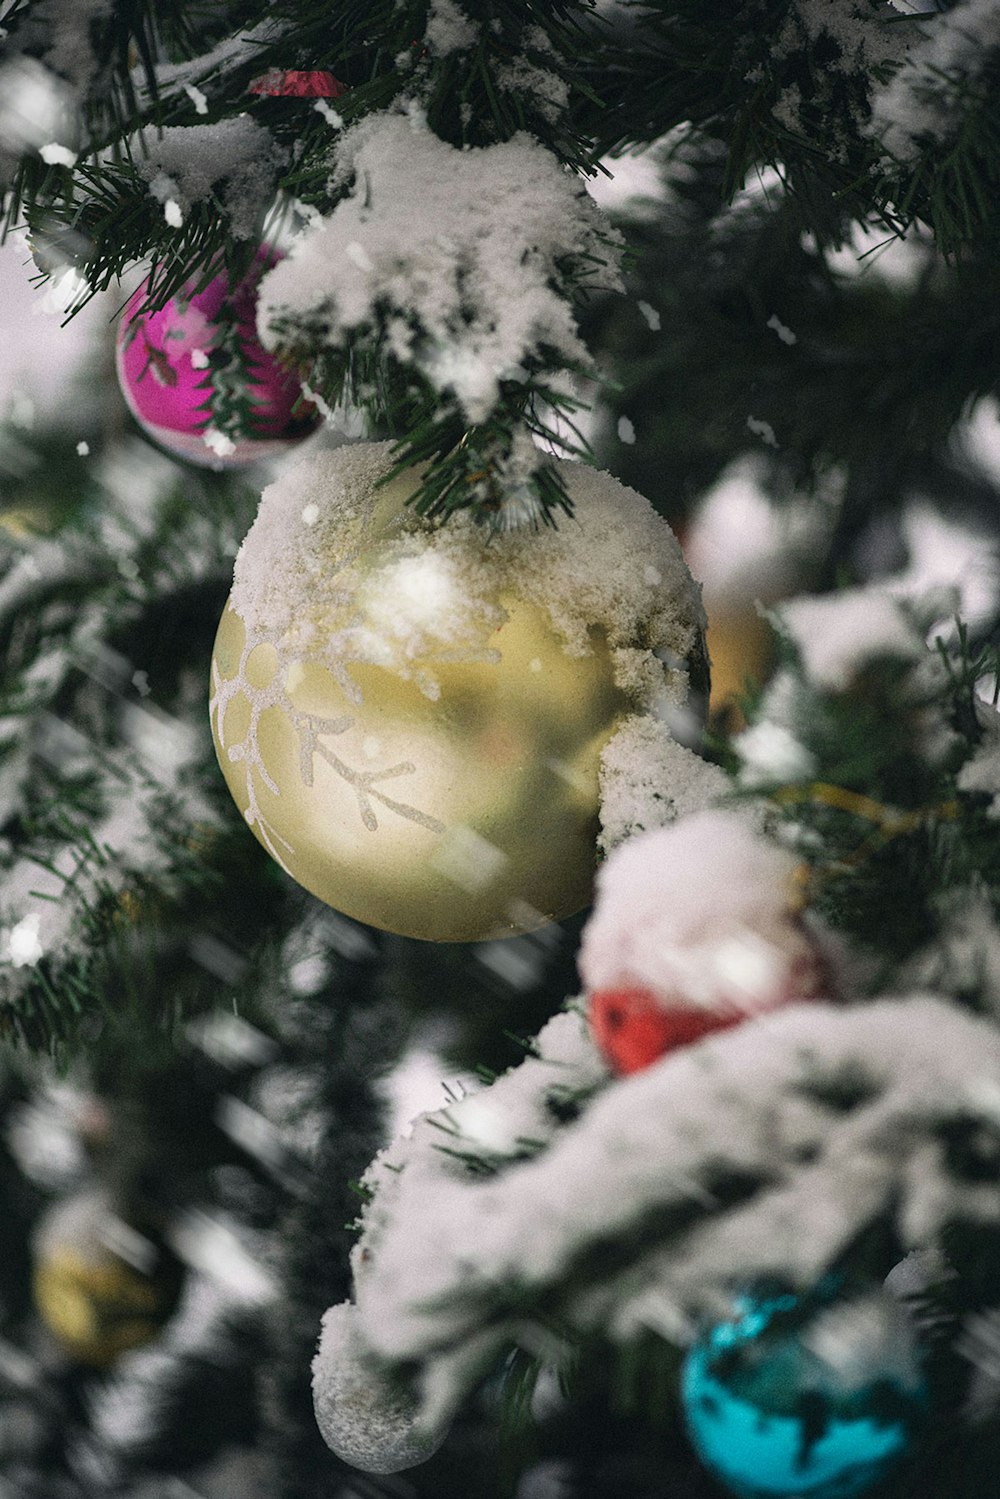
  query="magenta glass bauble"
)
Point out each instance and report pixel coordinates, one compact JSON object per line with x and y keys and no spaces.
{"x":200,"y":383}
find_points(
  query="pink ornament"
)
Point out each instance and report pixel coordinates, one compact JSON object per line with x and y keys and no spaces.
{"x":199,"y":382}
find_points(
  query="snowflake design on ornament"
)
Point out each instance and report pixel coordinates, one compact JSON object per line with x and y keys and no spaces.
{"x":310,"y":729}
{"x":354,"y":634}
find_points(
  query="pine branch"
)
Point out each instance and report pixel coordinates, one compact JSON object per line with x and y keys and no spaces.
{"x":133,"y":862}
{"x":357,"y":1028}
{"x":510,"y":69}
{"x":865,"y":387}
{"x":487,"y":468}
{"x":780,"y":85}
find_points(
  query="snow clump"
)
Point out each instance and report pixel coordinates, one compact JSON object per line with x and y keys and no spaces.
{"x":919,"y":102}
{"x":839,"y":634}
{"x":417,"y":252}
{"x":705,"y":915}
{"x":237,"y":160}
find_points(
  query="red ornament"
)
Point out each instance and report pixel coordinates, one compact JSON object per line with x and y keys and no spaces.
{"x":633,"y":1029}
{"x":697,"y":927}
{"x":289,"y":83}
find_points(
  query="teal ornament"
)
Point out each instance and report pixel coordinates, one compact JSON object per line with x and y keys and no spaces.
{"x":816,"y":1398}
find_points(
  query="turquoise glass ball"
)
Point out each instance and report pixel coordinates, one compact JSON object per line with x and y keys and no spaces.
{"x":812,"y":1400}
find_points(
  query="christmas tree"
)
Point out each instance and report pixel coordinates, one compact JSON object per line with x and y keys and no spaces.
{"x":453,"y":1041}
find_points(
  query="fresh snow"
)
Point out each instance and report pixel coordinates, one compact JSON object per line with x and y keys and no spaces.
{"x":839,"y":634}
{"x":417,"y":248}
{"x":442,"y":1280}
{"x":366,"y":1421}
{"x":236,"y":162}
{"x":591,"y":572}
{"x":777,"y":541}
{"x":702,"y":915}
{"x":982,"y":771}
{"x":919,"y":101}
{"x":647,"y":779}
{"x":448,"y":29}
{"x":864,"y":44}
{"x":770,"y":754}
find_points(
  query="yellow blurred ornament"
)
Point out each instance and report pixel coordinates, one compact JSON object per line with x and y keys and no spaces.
{"x":411,"y":719}
{"x":741,"y":643}
{"x":100,"y":1286}
{"x":26,"y":521}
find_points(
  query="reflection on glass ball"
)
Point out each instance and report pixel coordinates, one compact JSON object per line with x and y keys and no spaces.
{"x":814,"y":1400}
{"x":464,"y":816}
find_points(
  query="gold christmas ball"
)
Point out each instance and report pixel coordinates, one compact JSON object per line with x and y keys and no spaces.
{"x":100,"y":1286}
{"x":412,"y":718}
{"x":742,"y":646}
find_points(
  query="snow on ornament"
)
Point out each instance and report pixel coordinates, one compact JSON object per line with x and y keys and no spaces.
{"x":414,"y":720}
{"x":807,"y":1397}
{"x":367,"y":1420}
{"x":198,"y":381}
{"x":696,"y":927}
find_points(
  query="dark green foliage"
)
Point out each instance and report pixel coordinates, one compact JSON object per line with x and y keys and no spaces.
{"x":228,"y":402}
{"x":463,"y":465}
{"x":864,"y":389}
{"x":118,"y":589}
{"x":777,"y":89}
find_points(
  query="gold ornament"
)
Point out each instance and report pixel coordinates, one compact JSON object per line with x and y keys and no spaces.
{"x":95,"y":1301}
{"x":418,"y":746}
{"x":742,"y":647}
